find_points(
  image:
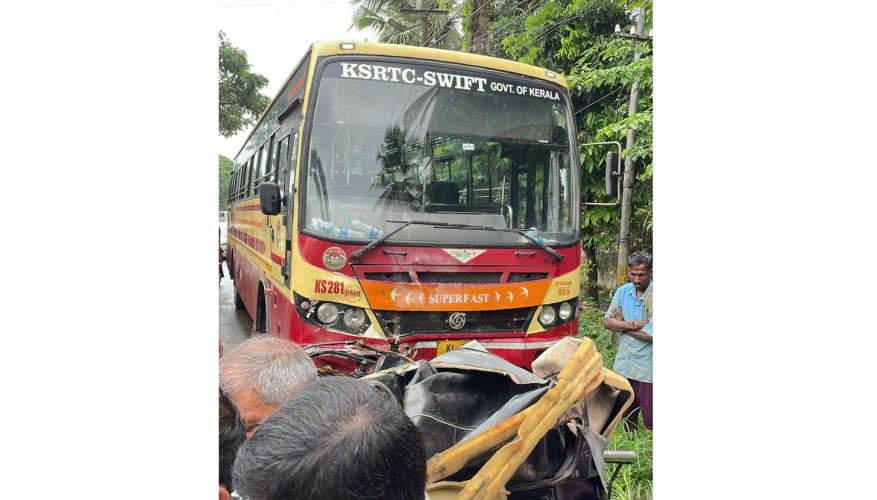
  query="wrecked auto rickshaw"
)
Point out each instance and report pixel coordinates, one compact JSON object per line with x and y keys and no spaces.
{"x":494,"y":430}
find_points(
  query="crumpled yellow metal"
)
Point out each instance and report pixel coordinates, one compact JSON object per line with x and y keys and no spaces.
{"x":579,"y":377}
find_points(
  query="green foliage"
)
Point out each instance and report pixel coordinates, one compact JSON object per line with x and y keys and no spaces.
{"x":386,"y":19}
{"x":634,"y":481}
{"x":468,"y":22}
{"x":225,"y":165}
{"x":240,"y":103}
{"x":575,"y":37}
{"x":591,"y":326}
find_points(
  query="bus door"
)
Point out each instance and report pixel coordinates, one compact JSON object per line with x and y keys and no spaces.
{"x":289,"y":153}
{"x":276,"y":233}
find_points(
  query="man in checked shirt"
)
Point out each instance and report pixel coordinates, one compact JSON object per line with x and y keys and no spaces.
{"x":630,"y":314}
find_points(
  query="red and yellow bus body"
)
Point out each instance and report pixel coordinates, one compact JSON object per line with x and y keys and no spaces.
{"x":408,"y":292}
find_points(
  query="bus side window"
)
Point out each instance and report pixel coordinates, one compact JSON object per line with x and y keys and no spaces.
{"x":283,"y":170}
{"x":271,"y":169}
{"x":239,"y":181}
{"x":293,"y":150}
{"x":260,"y":167}
{"x":275,"y":160}
{"x":242,"y":173}
{"x":248,"y":180}
{"x":252,"y":173}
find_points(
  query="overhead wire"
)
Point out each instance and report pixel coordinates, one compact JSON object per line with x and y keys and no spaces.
{"x":554,"y":25}
{"x":505,"y":27}
{"x":598,"y":100}
{"x":435,"y":42}
{"x":471,"y":15}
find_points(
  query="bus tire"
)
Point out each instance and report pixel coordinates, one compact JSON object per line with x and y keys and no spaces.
{"x":238,"y":302}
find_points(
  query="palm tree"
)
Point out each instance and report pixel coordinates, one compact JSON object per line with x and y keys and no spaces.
{"x":385,"y":17}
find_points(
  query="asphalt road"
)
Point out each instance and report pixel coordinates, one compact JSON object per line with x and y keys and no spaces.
{"x":234,"y":326}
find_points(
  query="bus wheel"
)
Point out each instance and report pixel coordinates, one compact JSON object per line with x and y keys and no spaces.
{"x":238,"y":302}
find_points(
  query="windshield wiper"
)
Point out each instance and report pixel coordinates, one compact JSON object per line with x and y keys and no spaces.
{"x":405,"y":223}
{"x":557,"y":255}
{"x":523,"y":232}
{"x":448,"y":225}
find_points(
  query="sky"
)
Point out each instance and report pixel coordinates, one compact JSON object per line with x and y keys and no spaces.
{"x":275,"y":35}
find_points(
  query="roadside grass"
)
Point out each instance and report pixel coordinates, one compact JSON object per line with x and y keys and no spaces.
{"x":591,"y":326}
{"x":634,"y":481}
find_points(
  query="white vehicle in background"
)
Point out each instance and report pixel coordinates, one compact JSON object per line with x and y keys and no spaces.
{"x":223,"y":228}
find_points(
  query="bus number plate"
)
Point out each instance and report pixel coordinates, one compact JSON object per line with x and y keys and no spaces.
{"x":448,"y":345}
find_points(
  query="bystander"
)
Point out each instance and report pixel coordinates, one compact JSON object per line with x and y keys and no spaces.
{"x":262,"y":373}
{"x":231,"y":437}
{"x":630,"y":314}
{"x":338,"y":438}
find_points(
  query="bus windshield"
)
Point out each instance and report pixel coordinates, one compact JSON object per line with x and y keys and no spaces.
{"x":397,"y":142}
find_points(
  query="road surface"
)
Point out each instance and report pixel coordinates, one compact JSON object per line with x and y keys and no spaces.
{"x":234,"y":326}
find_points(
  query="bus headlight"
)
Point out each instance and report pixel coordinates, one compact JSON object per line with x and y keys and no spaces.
{"x":354,"y":318}
{"x":564,"y":311}
{"x":327,"y":313}
{"x":547,"y":316}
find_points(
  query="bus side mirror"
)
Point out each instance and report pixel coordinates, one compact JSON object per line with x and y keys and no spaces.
{"x":611,"y":176}
{"x":269,"y":198}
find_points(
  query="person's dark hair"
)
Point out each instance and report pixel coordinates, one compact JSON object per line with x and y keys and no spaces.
{"x":232,"y":434}
{"x":639,"y":258}
{"x":337,"y":438}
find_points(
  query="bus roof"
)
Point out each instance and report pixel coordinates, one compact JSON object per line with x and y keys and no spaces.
{"x":386,"y":49}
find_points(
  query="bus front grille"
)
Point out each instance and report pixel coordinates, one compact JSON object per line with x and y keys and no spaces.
{"x":519,"y":277}
{"x":396,"y":277}
{"x":412,"y":322}
{"x":470,"y":277}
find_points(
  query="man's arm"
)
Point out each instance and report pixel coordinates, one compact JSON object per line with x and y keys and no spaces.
{"x":644,"y":333}
{"x":614,"y":319}
{"x":639,"y":335}
{"x":616,"y":322}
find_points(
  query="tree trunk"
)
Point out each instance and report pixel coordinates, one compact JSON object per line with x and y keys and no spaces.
{"x":627,"y":185}
{"x":424,"y":29}
{"x":478,"y":36}
{"x":593,"y":291}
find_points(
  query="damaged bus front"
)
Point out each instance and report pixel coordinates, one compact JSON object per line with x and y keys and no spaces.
{"x":444,"y":198}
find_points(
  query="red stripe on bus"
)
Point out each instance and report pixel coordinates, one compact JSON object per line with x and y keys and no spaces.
{"x":251,"y":241}
{"x":277,"y":259}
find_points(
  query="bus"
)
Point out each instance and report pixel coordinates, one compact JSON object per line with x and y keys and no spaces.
{"x":409,"y":200}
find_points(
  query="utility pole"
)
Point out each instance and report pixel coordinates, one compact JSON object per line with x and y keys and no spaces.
{"x":426,"y":31}
{"x":627,"y":185}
